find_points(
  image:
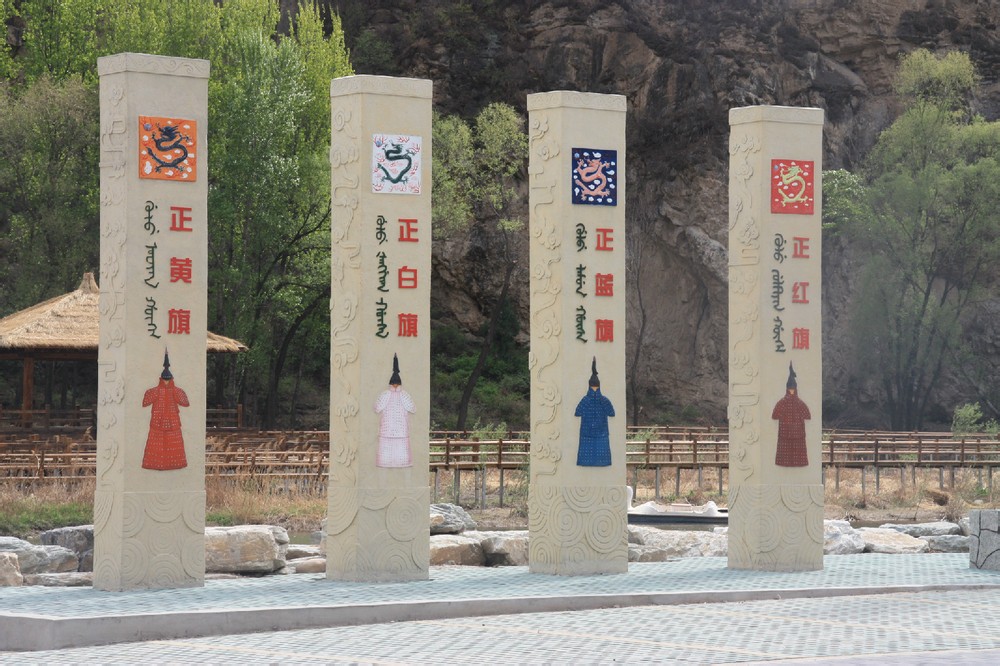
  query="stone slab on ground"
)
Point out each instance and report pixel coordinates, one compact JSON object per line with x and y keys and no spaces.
{"x":937,"y":528}
{"x":891,"y":542}
{"x":947,"y":543}
{"x":458,"y":549}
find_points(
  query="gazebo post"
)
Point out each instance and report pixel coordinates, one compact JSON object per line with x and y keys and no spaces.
{"x":27,"y":390}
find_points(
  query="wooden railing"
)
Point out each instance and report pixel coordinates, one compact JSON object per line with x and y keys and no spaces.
{"x":304,"y":455}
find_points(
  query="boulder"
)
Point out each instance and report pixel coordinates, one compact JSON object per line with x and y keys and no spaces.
{"x":39,"y":559}
{"x":68,"y":579}
{"x":297,"y":551}
{"x":680,"y":543}
{"x":878,"y":540}
{"x":839,"y":538}
{"x":307,"y":565}
{"x":639,"y":553}
{"x":450,"y":519}
{"x":10,"y":572}
{"x":245,"y":549}
{"x":456,"y":549}
{"x":503,"y":549}
{"x":947,"y":543}
{"x":938,"y":528}
{"x":79,"y":539}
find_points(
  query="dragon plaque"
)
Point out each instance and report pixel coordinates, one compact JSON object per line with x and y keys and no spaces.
{"x":167,"y":149}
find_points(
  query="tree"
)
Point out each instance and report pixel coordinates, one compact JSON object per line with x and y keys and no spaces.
{"x":475,"y":176}
{"x":932,"y":237}
{"x":269,"y":133}
{"x":48,"y":190}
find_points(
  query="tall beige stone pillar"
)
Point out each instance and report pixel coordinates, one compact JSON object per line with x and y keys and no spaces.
{"x":379,"y":499}
{"x":149,"y":504}
{"x":775,"y":339}
{"x":577,"y":499}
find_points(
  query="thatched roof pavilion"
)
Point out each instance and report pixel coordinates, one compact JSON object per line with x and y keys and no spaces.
{"x":65,"y":328}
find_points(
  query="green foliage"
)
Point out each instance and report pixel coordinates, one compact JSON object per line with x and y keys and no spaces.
{"x":940,"y":80}
{"x":968,"y":418}
{"x":475,"y":169}
{"x":49,"y":190}
{"x":28,"y":516}
{"x":269,"y":134}
{"x":927,"y":226}
{"x":843,"y":201}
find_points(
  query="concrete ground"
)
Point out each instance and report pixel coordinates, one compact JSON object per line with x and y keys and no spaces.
{"x":860,"y":609}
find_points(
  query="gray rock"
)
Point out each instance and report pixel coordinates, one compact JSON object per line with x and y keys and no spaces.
{"x":68,"y":579}
{"x":639,"y":553}
{"x":10,"y":571}
{"x":878,"y":540}
{"x":964,"y":524}
{"x":456,"y":549}
{"x":79,"y":539}
{"x":450,"y":519}
{"x":503,"y":549}
{"x":39,"y":559}
{"x":307,"y":565}
{"x":939,"y":528}
{"x":947,"y":543}
{"x":680,"y":543}
{"x":839,"y":538}
{"x":245,"y":549}
{"x":297,"y":551}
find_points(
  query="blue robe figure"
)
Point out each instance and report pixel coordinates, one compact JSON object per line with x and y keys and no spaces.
{"x":594,"y":410}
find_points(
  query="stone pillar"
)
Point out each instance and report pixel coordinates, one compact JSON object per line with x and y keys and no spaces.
{"x":984,"y":542}
{"x":577,"y":501}
{"x":775,"y":339}
{"x":149,"y":505}
{"x":379,"y":499}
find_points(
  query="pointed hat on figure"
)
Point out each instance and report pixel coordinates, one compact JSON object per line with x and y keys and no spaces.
{"x":166,"y":366}
{"x":395,"y":380}
{"x":791,"y":377}
{"x":594,"y":380}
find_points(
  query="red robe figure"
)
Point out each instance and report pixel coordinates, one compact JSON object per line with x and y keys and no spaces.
{"x":165,"y":444}
{"x":791,"y":414}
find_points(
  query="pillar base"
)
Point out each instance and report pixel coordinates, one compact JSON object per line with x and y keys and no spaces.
{"x":378,"y":534}
{"x":577,"y":530}
{"x":776,"y":528}
{"x":149,"y":540}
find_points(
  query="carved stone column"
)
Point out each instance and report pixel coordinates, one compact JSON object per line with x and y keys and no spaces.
{"x":379,"y":499}
{"x":149,"y":505}
{"x":577,"y":500}
{"x":775,"y":339}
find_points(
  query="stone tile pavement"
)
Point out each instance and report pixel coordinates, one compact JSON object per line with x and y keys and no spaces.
{"x":919,"y":608}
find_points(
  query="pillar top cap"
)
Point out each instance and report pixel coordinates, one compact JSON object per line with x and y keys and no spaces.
{"x":391,"y":86}
{"x":801,"y":115}
{"x":577,"y":100}
{"x":144,"y":63}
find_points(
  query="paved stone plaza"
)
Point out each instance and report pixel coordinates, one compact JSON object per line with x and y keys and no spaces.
{"x":686,"y":611}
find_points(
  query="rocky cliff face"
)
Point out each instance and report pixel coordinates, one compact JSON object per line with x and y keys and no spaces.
{"x":682,"y":66}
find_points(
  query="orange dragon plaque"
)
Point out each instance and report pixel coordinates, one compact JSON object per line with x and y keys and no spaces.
{"x":168,"y":148}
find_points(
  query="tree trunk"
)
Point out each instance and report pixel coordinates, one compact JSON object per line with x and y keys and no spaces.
{"x":271,"y":400}
{"x":484,"y":351}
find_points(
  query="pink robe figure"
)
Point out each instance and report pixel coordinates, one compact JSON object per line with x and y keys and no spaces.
{"x":394,"y":405}
{"x":791,"y":414}
{"x":165,"y":444}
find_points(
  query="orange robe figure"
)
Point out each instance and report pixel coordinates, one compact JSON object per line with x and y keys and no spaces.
{"x":165,"y":443}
